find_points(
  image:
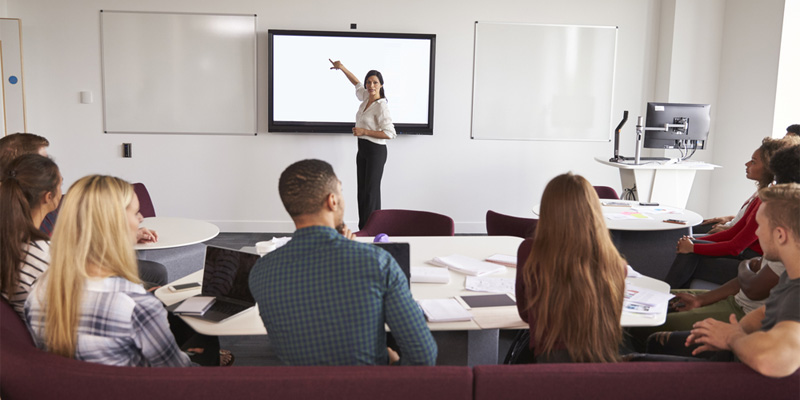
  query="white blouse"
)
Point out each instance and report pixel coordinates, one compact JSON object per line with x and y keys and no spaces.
{"x":376,"y":118}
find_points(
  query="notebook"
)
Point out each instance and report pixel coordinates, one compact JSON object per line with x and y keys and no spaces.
{"x":402,"y":254}
{"x":226,"y":278}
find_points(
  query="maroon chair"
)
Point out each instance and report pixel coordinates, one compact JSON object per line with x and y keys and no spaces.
{"x":145,"y":204}
{"x":407,"y":223}
{"x":505,"y":225}
{"x":605,"y":192}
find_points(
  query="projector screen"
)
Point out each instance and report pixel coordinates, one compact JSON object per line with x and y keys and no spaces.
{"x":305,"y":95}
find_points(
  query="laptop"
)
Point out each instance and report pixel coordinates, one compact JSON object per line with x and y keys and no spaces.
{"x":402,"y":254}
{"x":226,"y":278}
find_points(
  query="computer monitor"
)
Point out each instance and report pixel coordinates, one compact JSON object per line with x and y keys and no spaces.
{"x":694,"y":121}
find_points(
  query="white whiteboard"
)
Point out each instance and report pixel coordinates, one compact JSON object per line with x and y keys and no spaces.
{"x":543,"y":82}
{"x":178,"y":73}
{"x":12,"y":106}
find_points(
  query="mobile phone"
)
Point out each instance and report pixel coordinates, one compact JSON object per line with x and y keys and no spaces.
{"x":185,"y":286}
{"x":647,"y":204}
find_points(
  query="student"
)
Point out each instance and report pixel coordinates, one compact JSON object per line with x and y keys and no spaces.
{"x":373,"y":128}
{"x":152,"y":273}
{"x":325,"y":299}
{"x":793,"y":130}
{"x":716,"y":258}
{"x":767,"y":339}
{"x":571,"y":288}
{"x":90,"y":304}
{"x":30,"y":187}
{"x":739,"y":296}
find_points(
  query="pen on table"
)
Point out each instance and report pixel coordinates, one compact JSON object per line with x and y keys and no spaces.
{"x":675,"y":221}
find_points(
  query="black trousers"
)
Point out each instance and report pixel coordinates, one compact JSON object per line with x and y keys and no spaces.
{"x":370,"y":160}
{"x":152,"y":273}
{"x":716,"y":269}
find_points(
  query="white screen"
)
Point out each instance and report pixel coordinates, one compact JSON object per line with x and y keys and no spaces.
{"x":305,"y":89}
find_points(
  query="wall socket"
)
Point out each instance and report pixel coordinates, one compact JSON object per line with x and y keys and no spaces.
{"x":126,"y":150}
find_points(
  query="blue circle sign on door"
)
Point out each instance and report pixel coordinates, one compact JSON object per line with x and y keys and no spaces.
{"x":13,"y":80}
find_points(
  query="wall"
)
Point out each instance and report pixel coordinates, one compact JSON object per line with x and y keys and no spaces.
{"x":232,"y":181}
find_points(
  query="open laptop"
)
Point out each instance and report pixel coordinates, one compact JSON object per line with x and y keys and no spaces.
{"x":402,"y":254}
{"x":226,"y":278}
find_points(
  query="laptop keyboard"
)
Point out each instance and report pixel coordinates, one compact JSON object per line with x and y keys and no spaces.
{"x":227,"y":308}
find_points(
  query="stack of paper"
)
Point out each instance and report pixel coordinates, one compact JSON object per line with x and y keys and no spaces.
{"x":430,"y":275}
{"x":444,"y":310}
{"x":644,"y":301}
{"x":467,"y":265}
{"x":493,"y":285}
{"x":504,"y":260}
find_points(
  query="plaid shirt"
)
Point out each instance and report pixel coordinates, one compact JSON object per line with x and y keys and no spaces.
{"x":120,"y":324}
{"x":324,"y":300}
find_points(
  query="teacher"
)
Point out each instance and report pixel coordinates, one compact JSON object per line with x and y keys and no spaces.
{"x":373,"y":127}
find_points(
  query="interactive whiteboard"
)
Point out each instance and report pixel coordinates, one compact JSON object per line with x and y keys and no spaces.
{"x":178,"y":73}
{"x":543,"y":82}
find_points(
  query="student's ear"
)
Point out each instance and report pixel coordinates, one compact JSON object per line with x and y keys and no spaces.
{"x":47,"y":198}
{"x":780,"y":235}
{"x":331,"y":201}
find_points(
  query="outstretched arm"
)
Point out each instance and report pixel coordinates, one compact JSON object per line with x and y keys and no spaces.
{"x":338,"y":65}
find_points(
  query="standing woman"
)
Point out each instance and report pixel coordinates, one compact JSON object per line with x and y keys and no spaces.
{"x":30,"y":188}
{"x":90,"y":304}
{"x":373,"y":127}
{"x":571,"y":288}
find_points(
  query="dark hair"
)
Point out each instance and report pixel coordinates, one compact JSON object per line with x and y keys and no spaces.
{"x":373,"y":72}
{"x":25,"y":181}
{"x":17,"y":144}
{"x":769,"y":147}
{"x":785,"y":164}
{"x":793,"y":129}
{"x":305,"y":185}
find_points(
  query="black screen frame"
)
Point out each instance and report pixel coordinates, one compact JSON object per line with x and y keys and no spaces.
{"x":697,"y":134}
{"x":339,"y":127}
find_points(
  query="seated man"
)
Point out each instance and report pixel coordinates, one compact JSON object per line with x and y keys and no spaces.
{"x":325,"y":299}
{"x":767,"y":339}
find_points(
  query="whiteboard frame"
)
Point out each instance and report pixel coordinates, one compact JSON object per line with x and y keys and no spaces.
{"x":525,"y":121}
{"x":178,"y":126}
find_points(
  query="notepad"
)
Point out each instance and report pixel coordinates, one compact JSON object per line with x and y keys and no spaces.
{"x":444,"y":310}
{"x":197,"y":305}
{"x":504,"y":260}
{"x":467,"y":265}
{"x":430,"y":275}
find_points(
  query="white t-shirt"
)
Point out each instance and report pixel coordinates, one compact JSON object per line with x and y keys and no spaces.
{"x":741,"y":212}
{"x":749,"y":305}
{"x":375,"y":118}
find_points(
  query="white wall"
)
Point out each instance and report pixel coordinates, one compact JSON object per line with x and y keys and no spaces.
{"x":787,"y":99}
{"x":232,"y":181}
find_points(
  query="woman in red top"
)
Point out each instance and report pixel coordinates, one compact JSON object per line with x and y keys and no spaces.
{"x":716,"y":257}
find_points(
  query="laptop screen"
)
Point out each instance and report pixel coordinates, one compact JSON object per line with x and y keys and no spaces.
{"x":402,"y":254}
{"x":227,"y":273}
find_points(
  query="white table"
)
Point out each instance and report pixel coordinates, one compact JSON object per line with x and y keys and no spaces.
{"x":177,"y":232}
{"x":659,"y":181}
{"x":481,"y":333}
{"x":654,"y":223}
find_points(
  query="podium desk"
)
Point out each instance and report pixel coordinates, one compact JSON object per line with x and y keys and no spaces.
{"x":659,"y":181}
{"x":460,"y":343}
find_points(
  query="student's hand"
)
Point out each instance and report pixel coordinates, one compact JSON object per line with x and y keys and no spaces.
{"x":713,"y":335}
{"x":144,"y":235}
{"x":347,"y":233}
{"x":359,"y":131}
{"x":718,"y":228}
{"x":393,"y":356}
{"x":709,"y":221}
{"x":685,"y":302}
{"x":336,"y":64}
{"x":685,"y":245}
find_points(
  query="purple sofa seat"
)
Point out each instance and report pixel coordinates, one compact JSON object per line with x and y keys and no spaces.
{"x":634,"y":380}
{"x":29,"y":373}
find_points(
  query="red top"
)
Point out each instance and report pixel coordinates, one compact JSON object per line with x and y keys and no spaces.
{"x":733,"y":241}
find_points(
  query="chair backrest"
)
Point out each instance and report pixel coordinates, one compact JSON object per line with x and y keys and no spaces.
{"x":500,"y":224}
{"x":605,"y":192}
{"x":407,"y":223}
{"x":145,"y":204}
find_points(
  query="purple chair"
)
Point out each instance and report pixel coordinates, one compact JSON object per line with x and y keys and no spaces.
{"x":500,"y":224}
{"x":407,"y":223}
{"x":145,"y":204}
{"x":605,"y":192}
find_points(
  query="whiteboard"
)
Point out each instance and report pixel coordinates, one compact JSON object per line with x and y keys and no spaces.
{"x":12,"y":106}
{"x":178,"y":73}
{"x":543,"y":82}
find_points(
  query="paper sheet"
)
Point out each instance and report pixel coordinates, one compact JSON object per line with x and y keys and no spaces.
{"x":492,"y":285}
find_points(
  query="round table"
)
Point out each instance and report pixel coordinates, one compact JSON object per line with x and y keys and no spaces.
{"x":177,"y":232}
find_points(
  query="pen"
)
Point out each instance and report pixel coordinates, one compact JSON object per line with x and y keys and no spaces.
{"x":675,"y":221}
